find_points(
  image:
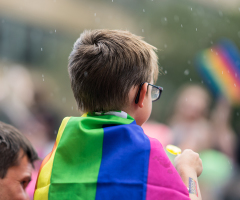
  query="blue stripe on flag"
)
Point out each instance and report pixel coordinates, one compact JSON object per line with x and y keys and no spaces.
{"x":124,"y":167}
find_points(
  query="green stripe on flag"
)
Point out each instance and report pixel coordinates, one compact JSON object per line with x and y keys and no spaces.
{"x":78,"y":156}
{"x":77,"y":161}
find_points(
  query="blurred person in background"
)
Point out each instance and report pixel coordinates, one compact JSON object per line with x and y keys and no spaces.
{"x":16,"y":96}
{"x":23,"y":105}
{"x":229,"y":143}
{"x":190,"y":126}
{"x":231,"y":191}
{"x":17,"y":157}
{"x":208,"y":133}
{"x":223,"y":136}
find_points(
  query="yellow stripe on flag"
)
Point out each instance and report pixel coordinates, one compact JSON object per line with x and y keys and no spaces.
{"x":41,"y":192}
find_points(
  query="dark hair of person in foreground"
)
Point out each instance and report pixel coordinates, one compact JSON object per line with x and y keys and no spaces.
{"x":11,"y":142}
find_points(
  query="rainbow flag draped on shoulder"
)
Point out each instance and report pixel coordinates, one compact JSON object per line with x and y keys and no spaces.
{"x":107,"y":156}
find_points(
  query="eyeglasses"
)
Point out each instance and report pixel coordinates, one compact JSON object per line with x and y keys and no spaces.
{"x":155,"y":93}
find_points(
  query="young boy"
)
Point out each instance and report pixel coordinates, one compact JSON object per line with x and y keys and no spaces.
{"x":105,"y":154}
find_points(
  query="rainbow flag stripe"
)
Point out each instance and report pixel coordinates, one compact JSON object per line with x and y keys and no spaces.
{"x":107,"y":156}
{"x":219,"y":66}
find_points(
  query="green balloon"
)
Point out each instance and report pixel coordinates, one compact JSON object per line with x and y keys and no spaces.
{"x":217,"y":167}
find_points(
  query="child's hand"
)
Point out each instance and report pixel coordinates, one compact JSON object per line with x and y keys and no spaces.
{"x":188,"y":161}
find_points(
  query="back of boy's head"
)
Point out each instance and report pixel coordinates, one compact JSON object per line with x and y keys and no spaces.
{"x":105,"y":64}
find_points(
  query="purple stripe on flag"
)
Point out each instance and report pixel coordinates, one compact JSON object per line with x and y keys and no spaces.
{"x":163,"y":181}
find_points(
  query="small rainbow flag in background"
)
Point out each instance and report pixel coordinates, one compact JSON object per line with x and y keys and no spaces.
{"x":219,"y":67}
{"x":107,"y":156}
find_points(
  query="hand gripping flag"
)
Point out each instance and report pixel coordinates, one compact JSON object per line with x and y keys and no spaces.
{"x":107,"y":156}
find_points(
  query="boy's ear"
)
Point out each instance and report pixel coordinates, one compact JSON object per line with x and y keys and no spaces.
{"x":142,"y":95}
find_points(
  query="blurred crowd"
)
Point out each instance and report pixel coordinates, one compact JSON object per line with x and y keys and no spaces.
{"x":198,"y":124}
{"x":194,"y":123}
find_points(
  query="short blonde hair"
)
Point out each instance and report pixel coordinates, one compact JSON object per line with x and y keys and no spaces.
{"x":105,"y":64}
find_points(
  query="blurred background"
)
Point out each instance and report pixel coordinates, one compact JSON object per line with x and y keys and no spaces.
{"x":36,"y":38}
